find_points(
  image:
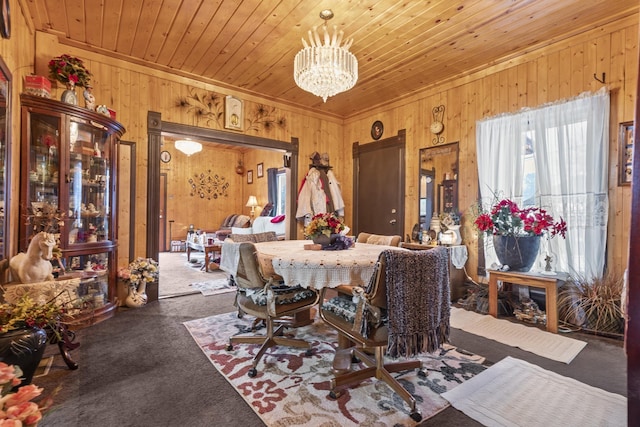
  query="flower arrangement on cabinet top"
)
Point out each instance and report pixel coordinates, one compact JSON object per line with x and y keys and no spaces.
{"x":506,"y":218}
{"x":140,"y":270}
{"x":69,"y":69}
{"x":16,"y":408}
{"x":323,"y":223}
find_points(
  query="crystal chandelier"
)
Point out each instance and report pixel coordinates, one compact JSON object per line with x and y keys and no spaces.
{"x":325,"y":70}
{"x":188,"y":146}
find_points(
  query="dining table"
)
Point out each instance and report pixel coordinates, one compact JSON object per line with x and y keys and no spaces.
{"x":317,"y":269}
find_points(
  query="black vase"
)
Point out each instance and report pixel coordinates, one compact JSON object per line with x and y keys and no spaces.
{"x":24,"y":348}
{"x":519,"y":253}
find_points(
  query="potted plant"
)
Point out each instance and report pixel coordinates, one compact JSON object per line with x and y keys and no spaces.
{"x":22,"y":335}
{"x":140,"y":272}
{"x":593,"y":304}
{"x":516,"y":232}
{"x":16,"y":406}
{"x":72,"y":72}
{"x":323,"y":228}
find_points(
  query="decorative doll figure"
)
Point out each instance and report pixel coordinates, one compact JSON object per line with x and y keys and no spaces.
{"x":89,"y":99}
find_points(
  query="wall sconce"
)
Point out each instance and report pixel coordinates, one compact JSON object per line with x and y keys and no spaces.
{"x":252,"y":203}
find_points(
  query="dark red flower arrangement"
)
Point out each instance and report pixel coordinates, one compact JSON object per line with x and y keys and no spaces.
{"x":506,"y":218}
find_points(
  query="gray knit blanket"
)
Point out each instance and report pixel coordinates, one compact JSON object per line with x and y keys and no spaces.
{"x":418,"y":302}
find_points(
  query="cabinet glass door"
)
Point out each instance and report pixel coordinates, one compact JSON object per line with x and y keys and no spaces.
{"x":43,"y":171}
{"x":89,"y":183}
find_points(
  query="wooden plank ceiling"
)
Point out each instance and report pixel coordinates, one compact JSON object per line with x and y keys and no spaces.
{"x":402,"y":46}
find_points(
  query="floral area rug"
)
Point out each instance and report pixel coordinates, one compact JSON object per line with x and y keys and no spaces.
{"x":292,"y":389}
{"x":213,"y":287}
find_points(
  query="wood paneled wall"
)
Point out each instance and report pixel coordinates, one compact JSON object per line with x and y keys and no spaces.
{"x":560,"y":70}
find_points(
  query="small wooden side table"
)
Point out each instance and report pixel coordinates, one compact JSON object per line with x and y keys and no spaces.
{"x":549,"y":283}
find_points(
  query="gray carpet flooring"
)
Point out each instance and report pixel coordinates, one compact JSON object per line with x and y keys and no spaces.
{"x":142,"y":368}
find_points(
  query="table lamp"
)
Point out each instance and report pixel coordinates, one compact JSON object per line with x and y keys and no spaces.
{"x":252,"y":203}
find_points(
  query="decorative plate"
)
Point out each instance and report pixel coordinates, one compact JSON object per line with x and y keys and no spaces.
{"x":376,"y":129}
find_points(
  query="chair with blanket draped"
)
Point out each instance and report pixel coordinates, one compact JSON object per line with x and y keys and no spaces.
{"x":404,"y":309}
{"x":263,"y":298}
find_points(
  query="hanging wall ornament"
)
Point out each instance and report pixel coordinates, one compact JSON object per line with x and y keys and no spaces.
{"x":437,"y":125}
{"x":207,"y":186}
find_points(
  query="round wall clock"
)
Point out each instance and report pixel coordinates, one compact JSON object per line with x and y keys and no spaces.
{"x":165,"y":156}
{"x":436,"y":128}
{"x":5,"y":22}
{"x":377,"y":129}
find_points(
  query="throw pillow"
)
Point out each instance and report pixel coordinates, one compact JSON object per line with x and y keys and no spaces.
{"x":277,"y":219}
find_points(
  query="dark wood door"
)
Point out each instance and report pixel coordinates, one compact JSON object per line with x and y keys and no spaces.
{"x":379,"y":176}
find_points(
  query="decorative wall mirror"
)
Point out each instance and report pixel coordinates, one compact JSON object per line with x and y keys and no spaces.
{"x":5,"y":157}
{"x":438,"y":182}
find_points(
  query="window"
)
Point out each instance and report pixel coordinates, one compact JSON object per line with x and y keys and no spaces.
{"x":556,"y":157}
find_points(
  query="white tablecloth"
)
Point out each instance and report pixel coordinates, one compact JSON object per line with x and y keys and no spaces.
{"x":319,"y":269}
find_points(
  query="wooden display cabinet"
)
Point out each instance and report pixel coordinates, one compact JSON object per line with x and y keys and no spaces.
{"x":68,"y":169}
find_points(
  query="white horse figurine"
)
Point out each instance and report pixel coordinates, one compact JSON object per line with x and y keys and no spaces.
{"x":35,"y":266}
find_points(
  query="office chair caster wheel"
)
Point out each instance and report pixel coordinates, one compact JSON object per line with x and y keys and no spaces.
{"x":229,"y":347}
{"x":422,"y":373}
{"x":334,"y":394}
{"x":252,"y":372}
{"x":309,"y":352}
{"x":416,"y":416}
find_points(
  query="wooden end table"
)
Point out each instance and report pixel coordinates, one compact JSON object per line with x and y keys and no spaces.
{"x":207,"y":249}
{"x":549,"y":283}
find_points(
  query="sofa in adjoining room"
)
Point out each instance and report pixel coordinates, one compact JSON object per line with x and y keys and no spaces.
{"x":231,"y":221}
{"x":263,"y":224}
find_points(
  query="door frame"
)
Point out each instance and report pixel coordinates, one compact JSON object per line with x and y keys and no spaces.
{"x":398,"y":140}
{"x":157,"y":129}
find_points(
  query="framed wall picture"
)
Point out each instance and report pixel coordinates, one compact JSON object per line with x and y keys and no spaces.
{"x":250,"y":176}
{"x":233,"y":114}
{"x":260,"y":170}
{"x":625,"y":147}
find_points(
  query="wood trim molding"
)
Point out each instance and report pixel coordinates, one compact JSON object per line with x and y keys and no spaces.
{"x":156,"y":129}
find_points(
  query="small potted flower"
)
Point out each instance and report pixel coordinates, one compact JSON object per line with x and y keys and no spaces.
{"x":72,"y":72}
{"x":140,"y":272}
{"x":516,"y":232}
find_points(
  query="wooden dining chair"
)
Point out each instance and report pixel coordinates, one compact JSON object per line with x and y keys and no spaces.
{"x":378,"y":239}
{"x":404,"y":311}
{"x":266,"y":299}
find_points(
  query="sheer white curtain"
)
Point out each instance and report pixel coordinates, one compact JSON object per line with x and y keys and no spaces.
{"x":570,"y":141}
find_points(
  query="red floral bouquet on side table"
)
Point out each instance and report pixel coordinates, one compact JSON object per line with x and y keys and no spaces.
{"x":506,"y":218}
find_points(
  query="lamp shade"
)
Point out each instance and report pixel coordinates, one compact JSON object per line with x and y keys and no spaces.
{"x":252,"y":202}
{"x":188,"y":146}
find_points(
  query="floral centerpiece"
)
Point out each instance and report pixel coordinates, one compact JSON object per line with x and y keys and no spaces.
{"x":323,"y":224}
{"x":516,"y":232}
{"x":140,"y":271}
{"x":69,"y":69}
{"x":506,"y":218}
{"x":16,"y":408}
